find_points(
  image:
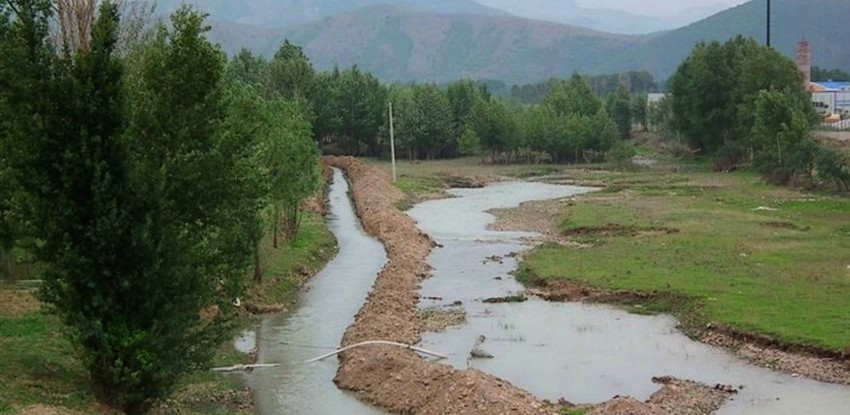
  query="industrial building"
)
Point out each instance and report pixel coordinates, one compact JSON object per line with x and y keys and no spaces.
{"x":832,"y":99}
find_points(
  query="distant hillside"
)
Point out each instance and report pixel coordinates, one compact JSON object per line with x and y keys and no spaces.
{"x":825,"y":23}
{"x":281,"y":13}
{"x":569,"y":12}
{"x":399,"y":44}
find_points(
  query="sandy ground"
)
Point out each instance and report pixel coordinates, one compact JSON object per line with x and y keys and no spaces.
{"x":840,"y":136}
{"x":544,"y":217}
{"x":404,"y":383}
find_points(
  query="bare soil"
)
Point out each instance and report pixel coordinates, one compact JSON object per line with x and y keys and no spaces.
{"x":404,"y":383}
{"x":440,"y":319}
{"x":676,"y":397}
{"x":539,"y":217}
{"x":819,"y":365}
{"x":15,"y":303}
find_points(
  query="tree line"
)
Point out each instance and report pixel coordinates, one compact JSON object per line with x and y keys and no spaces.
{"x":743,"y":103}
{"x":350,"y":112}
{"x":141,"y":174}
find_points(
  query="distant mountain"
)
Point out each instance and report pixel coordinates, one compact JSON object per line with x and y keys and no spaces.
{"x":823,"y":22}
{"x":602,"y":19}
{"x":568,"y":12}
{"x":280,"y":13}
{"x":399,"y":44}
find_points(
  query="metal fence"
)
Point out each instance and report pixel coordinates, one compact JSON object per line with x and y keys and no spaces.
{"x":840,"y":125}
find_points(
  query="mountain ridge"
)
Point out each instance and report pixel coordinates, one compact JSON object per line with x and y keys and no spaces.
{"x":398,"y":44}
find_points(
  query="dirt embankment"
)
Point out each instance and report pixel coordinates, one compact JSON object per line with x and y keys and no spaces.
{"x":397,"y":379}
{"x":401,"y":381}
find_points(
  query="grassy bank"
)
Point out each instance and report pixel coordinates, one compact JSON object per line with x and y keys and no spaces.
{"x":38,"y":365}
{"x":421,"y":181}
{"x":755,"y":257}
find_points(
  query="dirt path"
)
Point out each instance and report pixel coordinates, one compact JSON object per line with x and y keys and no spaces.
{"x":404,"y":383}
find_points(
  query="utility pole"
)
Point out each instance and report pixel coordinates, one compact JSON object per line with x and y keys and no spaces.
{"x":392,"y":142}
{"x":768,"y":23}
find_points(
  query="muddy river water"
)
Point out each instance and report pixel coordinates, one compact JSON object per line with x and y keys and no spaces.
{"x":583,"y":353}
{"x":325,"y":310}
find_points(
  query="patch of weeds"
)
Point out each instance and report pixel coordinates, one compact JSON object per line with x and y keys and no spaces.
{"x":404,"y":204}
{"x":612,"y":189}
{"x":507,"y":299}
{"x":458,"y":182}
{"x":843,"y":230}
{"x":569,"y":411}
{"x":613,"y":229}
{"x":682,"y":191}
{"x":786,"y":225}
{"x":415,"y":186}
{"x":438,"y":319}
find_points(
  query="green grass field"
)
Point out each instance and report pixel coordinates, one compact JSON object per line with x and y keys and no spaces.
{"x":756,"y":257}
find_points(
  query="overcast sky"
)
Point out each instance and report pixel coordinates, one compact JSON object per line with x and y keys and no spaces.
{"x":656,"y":7}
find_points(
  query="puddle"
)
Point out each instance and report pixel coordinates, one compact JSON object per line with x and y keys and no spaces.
{"x":326,"y":309}
{"x":246,"y":342}
{"x":583,"y":353}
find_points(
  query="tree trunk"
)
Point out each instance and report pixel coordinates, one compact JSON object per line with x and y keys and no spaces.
{"x":275,"y":225}
{"x":258,"y":273}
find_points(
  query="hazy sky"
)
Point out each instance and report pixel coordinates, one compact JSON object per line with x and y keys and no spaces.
{"x":656,"y":7}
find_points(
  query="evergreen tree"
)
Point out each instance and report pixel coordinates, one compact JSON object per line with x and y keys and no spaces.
{"x":619,"y":106}
{"x":291,"y":74}
{"x":143,"y":209}
{"x":248,"y":68}
{"x":361,"y":109}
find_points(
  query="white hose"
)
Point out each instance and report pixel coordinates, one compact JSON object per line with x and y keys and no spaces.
{"x":244,"y":367}
{"x":377,"y":342}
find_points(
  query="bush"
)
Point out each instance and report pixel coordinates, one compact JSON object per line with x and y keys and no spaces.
{"x":832,"y":167}
{"x":622,"y":153}
{"x":729,"y":157}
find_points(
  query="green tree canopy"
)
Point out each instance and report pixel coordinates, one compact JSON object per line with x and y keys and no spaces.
{"x":141,"y":208}
{"x":715,"y":89}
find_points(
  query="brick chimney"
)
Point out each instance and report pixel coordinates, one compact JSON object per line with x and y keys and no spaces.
{"x":804,"y":60}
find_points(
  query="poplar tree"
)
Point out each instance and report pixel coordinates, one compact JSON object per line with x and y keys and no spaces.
{"x":136,"y":200}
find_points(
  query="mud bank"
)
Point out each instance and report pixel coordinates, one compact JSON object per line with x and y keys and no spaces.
{"x":814,"y":363}
{"x":397,"y":379}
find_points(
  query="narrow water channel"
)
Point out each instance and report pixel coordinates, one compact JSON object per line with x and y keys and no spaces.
{"x":583,"y":353}
{"x":325,"y":310}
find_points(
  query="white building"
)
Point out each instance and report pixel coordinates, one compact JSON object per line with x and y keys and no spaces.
{"x":831,"y":97}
